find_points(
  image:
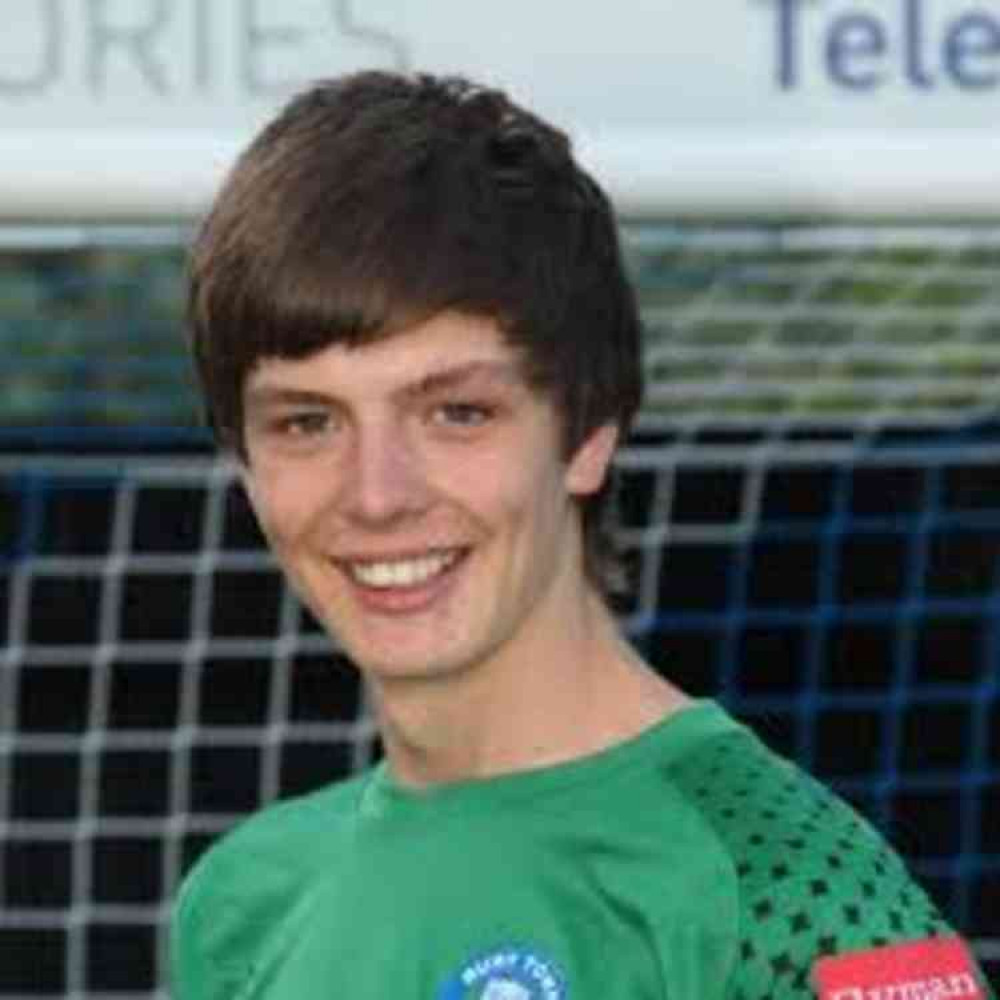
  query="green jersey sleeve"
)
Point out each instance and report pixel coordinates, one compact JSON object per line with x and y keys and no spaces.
{"x":813,"y":878}
{"x":245,"y":900}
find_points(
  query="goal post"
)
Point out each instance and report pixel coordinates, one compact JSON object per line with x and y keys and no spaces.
{"x":822,"y":174}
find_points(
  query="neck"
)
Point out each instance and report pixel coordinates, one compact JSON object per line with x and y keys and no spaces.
{"x":544,"y":700}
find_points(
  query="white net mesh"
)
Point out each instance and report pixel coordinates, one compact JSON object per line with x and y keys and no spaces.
{"x":158,"y":683}
{"x":809,"y":512}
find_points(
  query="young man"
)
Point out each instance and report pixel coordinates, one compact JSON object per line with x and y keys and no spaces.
{"x":413,"y":330}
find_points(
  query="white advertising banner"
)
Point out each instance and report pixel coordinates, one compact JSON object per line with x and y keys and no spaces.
{"x":118,"y":109}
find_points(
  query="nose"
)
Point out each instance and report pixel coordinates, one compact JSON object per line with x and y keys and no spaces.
{"x":383,"y":480}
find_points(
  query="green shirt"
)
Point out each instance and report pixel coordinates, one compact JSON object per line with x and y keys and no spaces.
{"x":689,"y":863}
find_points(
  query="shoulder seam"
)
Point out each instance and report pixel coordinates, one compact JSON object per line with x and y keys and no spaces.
{"x":725,"y":852}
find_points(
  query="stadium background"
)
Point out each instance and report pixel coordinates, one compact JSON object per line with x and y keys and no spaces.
{"x":810,"y":508}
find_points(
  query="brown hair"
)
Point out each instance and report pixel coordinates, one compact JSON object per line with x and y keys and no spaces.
{"x":376,"y":200}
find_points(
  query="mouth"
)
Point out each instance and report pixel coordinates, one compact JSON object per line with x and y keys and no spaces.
{"x":403,"y":573}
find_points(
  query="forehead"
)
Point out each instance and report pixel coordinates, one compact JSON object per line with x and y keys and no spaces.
{"x":450,"y":347}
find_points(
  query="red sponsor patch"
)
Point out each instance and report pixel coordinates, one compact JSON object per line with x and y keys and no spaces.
{"x":935,"y":969}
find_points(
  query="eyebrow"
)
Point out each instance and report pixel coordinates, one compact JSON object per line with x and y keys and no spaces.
{"x":439,"y":380}
{"x":457,"y":375}
{"x":262,"y":396}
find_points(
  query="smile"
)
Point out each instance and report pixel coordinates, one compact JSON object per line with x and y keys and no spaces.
{"x":386,"y":574}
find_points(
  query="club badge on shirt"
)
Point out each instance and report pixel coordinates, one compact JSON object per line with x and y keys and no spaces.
{"x":507,"y":973}
{"x":934,"y":969}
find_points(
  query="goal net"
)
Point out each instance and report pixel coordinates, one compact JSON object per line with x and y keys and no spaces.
{"x":809,"y":509}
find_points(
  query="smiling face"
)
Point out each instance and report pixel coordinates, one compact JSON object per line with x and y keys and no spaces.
{"x":415,"y":492}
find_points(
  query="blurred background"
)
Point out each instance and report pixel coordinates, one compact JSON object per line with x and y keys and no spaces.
{"x":810,"y":506}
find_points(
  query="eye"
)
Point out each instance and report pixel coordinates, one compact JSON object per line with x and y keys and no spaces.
{"x":305,"y":424}
{"x":463,"y":414}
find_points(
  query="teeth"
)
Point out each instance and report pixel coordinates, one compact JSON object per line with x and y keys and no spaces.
{"x":403,"y":572}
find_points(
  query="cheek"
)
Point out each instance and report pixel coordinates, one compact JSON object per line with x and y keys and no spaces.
{"x":499,"y":485}
{"x":525,"y":498}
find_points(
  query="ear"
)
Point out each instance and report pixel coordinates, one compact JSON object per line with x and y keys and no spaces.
{"x":588,"y":467}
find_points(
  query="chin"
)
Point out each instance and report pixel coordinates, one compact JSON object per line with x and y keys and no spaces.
{"x":413,"y":667}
